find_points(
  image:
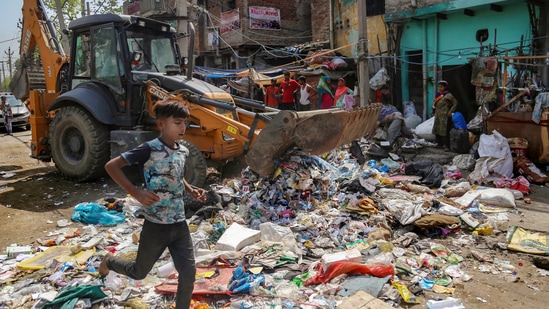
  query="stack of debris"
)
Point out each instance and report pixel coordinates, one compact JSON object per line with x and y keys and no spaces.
{"x":322,"y":232}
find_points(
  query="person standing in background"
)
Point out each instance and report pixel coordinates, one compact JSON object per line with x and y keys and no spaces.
{"x":288,"y":87}
{"x":7,"y":114}
{"x":325,"y":93}
{"x":306,"y":91}
{"x":272,"y":95}
{"x":340,"y":92}
{"x":444,"y":105}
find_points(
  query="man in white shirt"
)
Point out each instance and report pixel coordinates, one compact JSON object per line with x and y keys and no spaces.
{"x":305,"y":94}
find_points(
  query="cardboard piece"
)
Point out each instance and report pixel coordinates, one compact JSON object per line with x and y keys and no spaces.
{"x":363,"y":300}
{"x":59,"y":254}
{"x":237,"y":237}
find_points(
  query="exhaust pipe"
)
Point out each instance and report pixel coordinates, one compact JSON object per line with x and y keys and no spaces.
{"x":190,"y":52}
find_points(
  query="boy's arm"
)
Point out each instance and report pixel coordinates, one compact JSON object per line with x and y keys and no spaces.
{"x":114,"y":168}
{"x":197,"y":193}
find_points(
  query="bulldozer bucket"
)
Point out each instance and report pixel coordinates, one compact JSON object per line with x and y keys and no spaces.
{"x":19,"y":84}
{"x":314,"y":132}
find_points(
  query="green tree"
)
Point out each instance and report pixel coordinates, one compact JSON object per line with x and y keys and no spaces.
{"x":62,"y":12}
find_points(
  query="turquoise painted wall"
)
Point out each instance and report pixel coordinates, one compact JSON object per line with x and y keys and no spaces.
{"x":457,"y":34}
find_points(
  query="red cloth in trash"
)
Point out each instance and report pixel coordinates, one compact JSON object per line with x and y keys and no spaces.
{"x":350,"y":268}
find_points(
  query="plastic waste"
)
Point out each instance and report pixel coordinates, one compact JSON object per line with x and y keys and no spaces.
{"x":481,"y":256}
{"x":483,"y":230}
{"x":459,"y":121}
{"x":407,"y":296}
{"x":94,"y":213}
{"x":351,"y":268}
{"x":165,"y":270}
{"x":469,"y":220}
{"x":448,"y":303}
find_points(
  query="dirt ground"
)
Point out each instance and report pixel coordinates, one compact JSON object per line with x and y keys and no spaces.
{"x":33,"y":197}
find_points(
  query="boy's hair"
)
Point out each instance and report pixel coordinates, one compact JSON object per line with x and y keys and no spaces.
{"x":170,"y":107}
{"x":301,"y":78}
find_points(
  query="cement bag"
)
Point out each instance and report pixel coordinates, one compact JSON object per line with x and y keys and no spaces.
{"x":497,"y":197}
{"x":425,"y":129}
{"x":497,"y":146}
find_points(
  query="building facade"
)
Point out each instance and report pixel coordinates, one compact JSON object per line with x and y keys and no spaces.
{"x":442,"y":39}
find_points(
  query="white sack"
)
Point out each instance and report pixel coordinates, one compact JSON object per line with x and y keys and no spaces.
{"x":425,"y":130}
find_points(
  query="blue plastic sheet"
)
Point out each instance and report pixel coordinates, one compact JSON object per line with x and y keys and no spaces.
{"x":94,"y":213}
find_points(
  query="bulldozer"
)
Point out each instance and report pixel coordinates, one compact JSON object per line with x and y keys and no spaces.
{"x":97,"y":103}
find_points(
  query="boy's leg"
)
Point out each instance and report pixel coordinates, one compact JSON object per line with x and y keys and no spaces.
{"x":182,"y":252}
{"x":10,"y":129}
{"x":152,"y":243}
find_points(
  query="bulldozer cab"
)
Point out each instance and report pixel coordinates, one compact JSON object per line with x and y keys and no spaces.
{"x":118,"y":53}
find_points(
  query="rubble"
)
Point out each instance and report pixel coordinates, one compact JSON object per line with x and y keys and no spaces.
{"x":318,"y":234}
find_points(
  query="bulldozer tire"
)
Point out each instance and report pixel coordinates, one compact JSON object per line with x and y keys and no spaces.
{"x":195,"y":166}
{"x":79,"y":144}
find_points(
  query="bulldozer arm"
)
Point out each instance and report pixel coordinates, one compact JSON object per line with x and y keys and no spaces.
{"x":19,"y":84}
{"x":314,"y":132}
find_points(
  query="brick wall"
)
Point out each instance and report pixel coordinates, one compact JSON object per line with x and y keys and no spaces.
{"x":320,"y":19}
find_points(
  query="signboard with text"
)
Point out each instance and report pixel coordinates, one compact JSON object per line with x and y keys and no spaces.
{"x":229,"y":21}
{"x":264,"y":18}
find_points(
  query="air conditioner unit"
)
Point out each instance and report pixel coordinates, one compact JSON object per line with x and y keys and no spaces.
{"x":152,"y":7}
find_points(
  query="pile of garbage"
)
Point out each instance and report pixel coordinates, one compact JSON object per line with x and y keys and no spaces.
{"x":322,"y":232}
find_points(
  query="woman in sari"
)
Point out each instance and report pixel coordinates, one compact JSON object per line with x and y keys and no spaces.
{"x":340,"y":92}
{"x":325,"y":93}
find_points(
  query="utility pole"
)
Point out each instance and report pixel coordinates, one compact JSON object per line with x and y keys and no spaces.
{"x":9,"y":53}
{"x":363,"y":70}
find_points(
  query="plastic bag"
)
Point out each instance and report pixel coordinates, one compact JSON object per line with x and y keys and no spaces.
{"x":350,"y":268}
{"x":495,"y":157}
{"x":94,"y":213}
{"x":348,"y":101}
{"x":459,"y":121}
{"x":409,"y":109}
{"x":464,"y":161}
{"x":425,"y":129}
{"x":520,"y":184}
{"x":431,"y":173}
{"x":412,"y":121}
{"x":379,"y":79}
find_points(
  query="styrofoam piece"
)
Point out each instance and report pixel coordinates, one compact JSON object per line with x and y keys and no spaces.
{"x":14,"y":251}
{"x":237,"y":237}
{"x":352,"y":255}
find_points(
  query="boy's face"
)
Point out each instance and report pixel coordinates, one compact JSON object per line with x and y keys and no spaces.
{"x":172,"y":128}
